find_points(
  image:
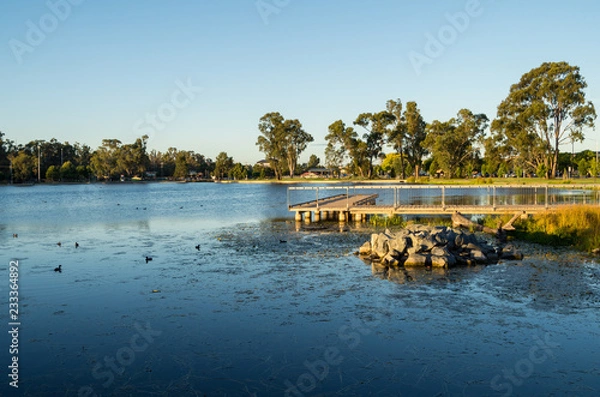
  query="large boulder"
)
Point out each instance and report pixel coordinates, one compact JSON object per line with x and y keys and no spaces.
{"x":380,"y":245}
{"x":400,"y":243}
{"x":420,"y":245}
{"x":442,"y":255}
{"x":510,"y":252}
{"x":417,"y":259}
{"x":365,"y":249}
{"x":478,"y":256}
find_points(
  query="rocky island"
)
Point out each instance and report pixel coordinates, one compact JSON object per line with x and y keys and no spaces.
{"x":434,"y":246}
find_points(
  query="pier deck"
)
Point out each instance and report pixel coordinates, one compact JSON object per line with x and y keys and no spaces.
{"x":358,"y":202}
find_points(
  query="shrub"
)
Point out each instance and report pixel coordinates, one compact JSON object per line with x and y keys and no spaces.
{"x":386,"y":221}
{"x":578,"y":226}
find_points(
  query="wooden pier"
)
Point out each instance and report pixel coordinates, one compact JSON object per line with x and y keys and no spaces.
{"x":359,"y":202}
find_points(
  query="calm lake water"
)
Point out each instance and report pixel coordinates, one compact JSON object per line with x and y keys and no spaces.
{"x":263,"y":309}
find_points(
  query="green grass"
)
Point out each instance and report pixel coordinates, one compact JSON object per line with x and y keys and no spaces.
{"x":576,"y":226}
{"x":387,"y":221}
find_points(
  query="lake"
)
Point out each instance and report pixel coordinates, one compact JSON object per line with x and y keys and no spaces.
{"x":239,"y":301}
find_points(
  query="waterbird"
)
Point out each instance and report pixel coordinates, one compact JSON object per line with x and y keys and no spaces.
{"x":282,"y":241}
{"x":198,"y":247}
{"x":58,"y":269}
{"x":59,"y":244}
{"x":76,"y":244}
{"x":148,"y":259}
{"x":15,"y":235}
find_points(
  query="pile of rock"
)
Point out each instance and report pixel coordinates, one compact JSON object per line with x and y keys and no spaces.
{"x":434,"y":246}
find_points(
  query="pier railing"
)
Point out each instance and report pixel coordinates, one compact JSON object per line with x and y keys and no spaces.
{"x":426,"y":199}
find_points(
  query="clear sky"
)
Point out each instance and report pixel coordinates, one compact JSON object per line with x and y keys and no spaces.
{"x":199,"y":74}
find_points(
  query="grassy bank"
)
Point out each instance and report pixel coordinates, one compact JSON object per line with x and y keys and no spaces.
{"x":576,"y":226}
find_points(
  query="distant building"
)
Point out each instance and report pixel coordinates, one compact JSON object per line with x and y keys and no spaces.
{"x":263,"y":163}
{"x":317,"y":173}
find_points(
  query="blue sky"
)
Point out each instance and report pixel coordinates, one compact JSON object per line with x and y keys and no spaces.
{"x":101,"y":68}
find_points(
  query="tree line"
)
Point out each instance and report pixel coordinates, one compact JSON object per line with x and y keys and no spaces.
{"x":544,"y":110}
{"x":54,"y":161}
{"x":113,"y":160}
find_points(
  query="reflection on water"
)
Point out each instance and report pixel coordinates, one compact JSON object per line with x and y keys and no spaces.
{"x":260,"y":308}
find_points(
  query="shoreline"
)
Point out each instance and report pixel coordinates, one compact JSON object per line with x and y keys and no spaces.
{"x":437,"y":182}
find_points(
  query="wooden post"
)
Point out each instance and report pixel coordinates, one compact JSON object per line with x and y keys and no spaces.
{"x":298,"y":216}
{"x":347,"y":198}
{"x":307,"y":217}
{"x":444,"y":198}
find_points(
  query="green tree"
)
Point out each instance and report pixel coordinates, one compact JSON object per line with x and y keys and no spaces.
{"x":68,"y":172}
{"x":103,"y":162}
{"x":181,"y":166}
{"x":414,"y":136}
{"x":392,"y":164}
{"x":282,"y":141}
{"x":136,"y":157}
{"x":313,"y":162}
{"x":23,"y":165}
{"x":83,"y":172}
{"x":4,"y":160}
{"x":452,"y":143}
{"x":544,"y":109}
{"x":81,"y":155}
{"x":296,"y":141}
{"x":223,"y":165}
{"x":52,"y":174}
{"x":338,"y":146}
{"x":342,"y":143}
{"x":239,"y":172}
{"x":397,"y":131}
{"x":272,"y":141}
{"x":376,"y":125}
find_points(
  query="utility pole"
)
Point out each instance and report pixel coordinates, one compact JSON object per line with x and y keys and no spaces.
{"x":39,"y":164}
{"x":61,"y":162}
